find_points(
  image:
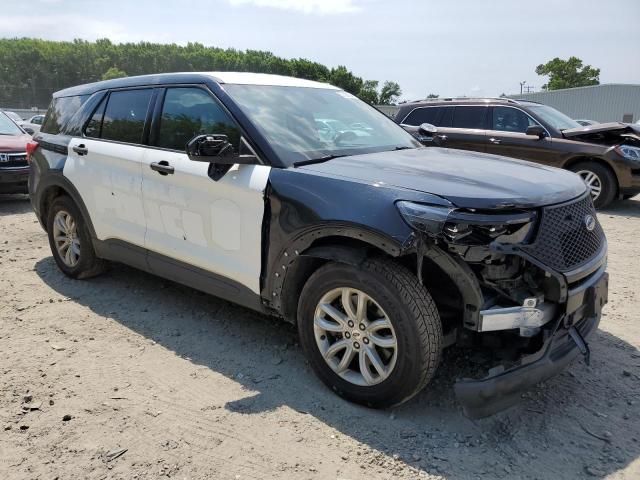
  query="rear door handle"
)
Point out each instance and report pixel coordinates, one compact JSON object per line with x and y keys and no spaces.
{"x":162,"y":167}
{"x":495,"y":141}
{"x":81,"y":149}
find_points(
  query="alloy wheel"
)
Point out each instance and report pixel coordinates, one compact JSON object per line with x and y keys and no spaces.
{"x":355,"y":336}
{"x":593,"y":182}
{"x":65,"y":237}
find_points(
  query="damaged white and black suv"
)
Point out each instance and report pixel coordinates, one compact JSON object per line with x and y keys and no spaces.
{"x":296,"y":199}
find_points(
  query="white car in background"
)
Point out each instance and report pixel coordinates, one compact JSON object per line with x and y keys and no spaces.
{"x":32,"y":125}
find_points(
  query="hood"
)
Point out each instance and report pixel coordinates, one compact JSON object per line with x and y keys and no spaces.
{"x":613,"y":130}
{"x":467,"y":179}
{"x":14,"y":143}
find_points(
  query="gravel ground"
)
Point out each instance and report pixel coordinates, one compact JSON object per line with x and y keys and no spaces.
{"x":128,"y":376}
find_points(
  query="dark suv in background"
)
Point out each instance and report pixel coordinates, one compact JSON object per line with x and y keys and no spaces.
{"x":606,"y":155}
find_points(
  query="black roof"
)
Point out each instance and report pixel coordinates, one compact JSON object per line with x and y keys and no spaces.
{"x":139,"y":81}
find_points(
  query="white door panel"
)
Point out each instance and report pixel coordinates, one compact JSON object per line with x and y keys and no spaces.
{"x":216,"y":226}
{"x":109,"y":180}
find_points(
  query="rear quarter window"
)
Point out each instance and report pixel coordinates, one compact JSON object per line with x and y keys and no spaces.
{"x":60,"y":112}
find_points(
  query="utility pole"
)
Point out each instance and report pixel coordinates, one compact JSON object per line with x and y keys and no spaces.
{"x":522,"y":85}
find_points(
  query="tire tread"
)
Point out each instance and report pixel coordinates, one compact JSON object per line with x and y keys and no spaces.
{"x":417,"y":298}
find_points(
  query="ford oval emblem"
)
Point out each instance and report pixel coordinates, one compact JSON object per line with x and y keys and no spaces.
{"x":589,"y":222}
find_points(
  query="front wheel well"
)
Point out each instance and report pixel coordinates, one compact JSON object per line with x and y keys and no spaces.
{"x":346,"y":250}
{"x":576,"y":160}
{"x":445,"y":291}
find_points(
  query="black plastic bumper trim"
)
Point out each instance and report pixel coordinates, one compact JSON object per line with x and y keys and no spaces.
{"x":482,"y":398}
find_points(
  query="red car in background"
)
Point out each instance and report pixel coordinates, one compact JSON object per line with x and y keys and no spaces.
{"x":14,"y":170}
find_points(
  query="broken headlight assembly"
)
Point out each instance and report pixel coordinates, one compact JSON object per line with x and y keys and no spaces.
{"x":468,"y":227}
{"x":629,"y":152}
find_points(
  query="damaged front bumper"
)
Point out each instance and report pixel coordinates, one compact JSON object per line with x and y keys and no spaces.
{"x":565,"y":340}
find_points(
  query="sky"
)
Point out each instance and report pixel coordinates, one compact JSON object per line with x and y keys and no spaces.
{"x":450,"y":48}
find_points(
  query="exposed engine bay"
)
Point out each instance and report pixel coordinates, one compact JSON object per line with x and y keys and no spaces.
{"x":488,"y":255}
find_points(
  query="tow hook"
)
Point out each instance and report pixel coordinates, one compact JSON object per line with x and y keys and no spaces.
{"x":582,"y":345}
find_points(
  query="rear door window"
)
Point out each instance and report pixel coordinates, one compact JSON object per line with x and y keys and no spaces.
{"x":446,"y":119}
{"x":423,"y":115}
{"x":469,"y":117}
{"x":125,"y":114}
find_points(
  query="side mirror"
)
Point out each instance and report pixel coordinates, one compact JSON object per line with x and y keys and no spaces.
{"x":216,"y":148}
{"x":29,"y":130}
{"x":536,"y":130}
{"x":428,"y":129}
{"x":425,"y":133}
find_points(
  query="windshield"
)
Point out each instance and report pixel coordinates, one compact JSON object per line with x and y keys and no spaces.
{"x":7,"y":127}
{"x":554,"y":118}
{"x":304,"y":123}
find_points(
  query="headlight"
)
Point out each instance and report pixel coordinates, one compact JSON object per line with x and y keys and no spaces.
{"x":426,"y":218}
{"x":470,"y":228}
{"x":629,"y":152}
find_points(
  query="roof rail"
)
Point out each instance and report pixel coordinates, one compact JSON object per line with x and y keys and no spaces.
{"x":451,"y":99}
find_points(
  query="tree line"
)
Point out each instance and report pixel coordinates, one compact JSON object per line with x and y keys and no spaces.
{"x":32,"y":69}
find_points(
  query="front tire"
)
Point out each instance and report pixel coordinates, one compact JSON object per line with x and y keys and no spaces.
{"x":372,"y":334}
{"x":601,"y":181}
{"x":70,"y":240}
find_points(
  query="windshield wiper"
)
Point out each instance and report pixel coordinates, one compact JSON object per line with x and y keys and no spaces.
{"x":311,"y":161}
{"x":403,"y":147}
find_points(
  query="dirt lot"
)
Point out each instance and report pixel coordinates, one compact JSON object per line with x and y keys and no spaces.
{"x":193,"y":387}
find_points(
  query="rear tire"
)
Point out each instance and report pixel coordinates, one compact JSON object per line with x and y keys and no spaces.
{"x":70,"y":241}
{"x":600,"y":180}
{"x":407,"y":351}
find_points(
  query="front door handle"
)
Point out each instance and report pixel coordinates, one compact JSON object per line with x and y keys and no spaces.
{"x":495,"y":141}
{"x":81,"y":149}
{"x":162,"y":167}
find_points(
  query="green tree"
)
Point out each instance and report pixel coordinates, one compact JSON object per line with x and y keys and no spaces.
{"x":568,"y":73}
{"x":389,"y":93}
{"x":343,"y":78}
{"x":369,"y":92}
{"x":31,"y":69}
{"x":113,"y":72}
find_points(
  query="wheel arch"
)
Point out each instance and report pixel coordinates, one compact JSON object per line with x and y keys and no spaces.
{"x":294,"y":264}
{"x":600,"y":161}
{"x":290,"y":274}
{"x":54,"y":187}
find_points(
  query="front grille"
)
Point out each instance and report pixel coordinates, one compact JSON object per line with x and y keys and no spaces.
{"x":563,"y":241}
{"x":13,"y":159}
